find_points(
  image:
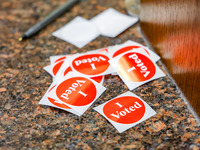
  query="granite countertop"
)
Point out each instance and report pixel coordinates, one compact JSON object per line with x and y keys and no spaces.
{"x":26,"y":124}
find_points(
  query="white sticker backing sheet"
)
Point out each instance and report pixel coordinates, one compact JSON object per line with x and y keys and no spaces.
{"x":125,"y":111}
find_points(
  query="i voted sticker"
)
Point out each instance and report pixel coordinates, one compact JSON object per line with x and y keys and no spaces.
{"x":76,"y":80}
{"x":130,"y":45}
{"x":76,"y":92}
{"x":56,"y":63}
{"x":135,"y":68}
{"x":91,"y":64}
{"x":55,"y":102}
{"x":128,"y":48}
{"x":125,"y":111}
{"x":98,"y":79}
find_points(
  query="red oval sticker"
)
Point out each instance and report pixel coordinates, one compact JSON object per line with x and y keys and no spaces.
{"x":54,"y":102}
{"x":128,"y":48}
{"x":125,"y":109}
{"x":77,"y":91}
{"x":136,"y":67}
{"x":57,"y":67}
{"x":91,"y":64}
{"x":97,"y":79}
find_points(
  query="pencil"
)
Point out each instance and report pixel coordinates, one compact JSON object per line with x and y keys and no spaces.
{"x":48,"y":19}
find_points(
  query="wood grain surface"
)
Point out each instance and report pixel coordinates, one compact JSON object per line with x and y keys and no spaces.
{"x":172,"y":27}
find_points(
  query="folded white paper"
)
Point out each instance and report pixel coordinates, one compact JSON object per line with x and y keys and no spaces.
{"x":78,"y":32}
{"x":111,"y":22}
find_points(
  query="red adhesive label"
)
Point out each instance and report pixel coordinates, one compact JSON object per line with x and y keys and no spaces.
{"x":91,"y":64}
{"x":57,"y":103}
{"x":60,"y":59}
{"x":124,"y":110}
{"x":103,"y":50}
{"x":77,"y":91}
{"x":98,"y":79}
{"x":67,"y":70}
{"x":136,"y":67}
{"x":57,"y":67}
{"x":128,"y":48}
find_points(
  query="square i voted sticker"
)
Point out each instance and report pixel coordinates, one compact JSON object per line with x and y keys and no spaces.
{"x":56,"y":63}
{"x":91,"y":64}
{"x":125,"y":111}
{"x":55,"y":103}
{"x":65,"y":69}
{"x":151,"y":53}
{"x":130,"y":45}
{"x":76,"y":92}
{"x":135,"y":68}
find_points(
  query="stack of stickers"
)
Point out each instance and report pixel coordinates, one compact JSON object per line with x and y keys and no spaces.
{"x":78,"y":82}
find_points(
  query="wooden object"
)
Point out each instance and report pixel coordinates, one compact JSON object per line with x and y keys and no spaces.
{"x":172,"y":27}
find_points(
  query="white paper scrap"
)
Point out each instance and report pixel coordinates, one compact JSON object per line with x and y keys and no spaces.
{"x":78,"y":32}
{"x":111,"y":22}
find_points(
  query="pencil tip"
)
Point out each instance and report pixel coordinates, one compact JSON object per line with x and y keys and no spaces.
{"x":23,"y":37}
{"x":20,"y":39}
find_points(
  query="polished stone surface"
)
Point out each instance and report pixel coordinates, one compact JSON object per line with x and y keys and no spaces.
{"x":25,"y":124}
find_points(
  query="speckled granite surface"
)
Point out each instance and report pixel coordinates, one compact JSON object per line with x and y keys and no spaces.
{"x":25,"y":124}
